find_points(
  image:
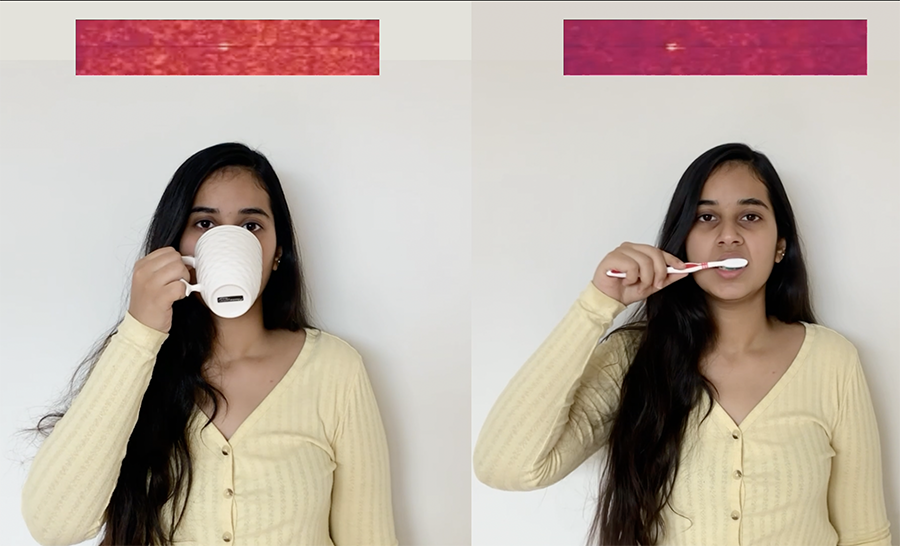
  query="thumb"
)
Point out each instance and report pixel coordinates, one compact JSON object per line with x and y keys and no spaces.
{"x":673,"y":260}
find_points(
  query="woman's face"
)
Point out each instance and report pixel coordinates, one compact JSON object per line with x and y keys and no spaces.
{"x":233,"y":197}
{"x":734,"y":220}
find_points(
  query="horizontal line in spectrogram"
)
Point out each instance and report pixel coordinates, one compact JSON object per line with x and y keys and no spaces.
{"x":714,"y":47}
{"x":218,"y":47}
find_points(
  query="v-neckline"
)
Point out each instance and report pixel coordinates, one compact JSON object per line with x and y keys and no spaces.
{"x":267,"y":401}
{"x":766,"y":401}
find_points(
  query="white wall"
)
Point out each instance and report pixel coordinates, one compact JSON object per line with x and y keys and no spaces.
{"x":392,"y":205}
{"x":377,"y":172}
{"x":567,"y":168}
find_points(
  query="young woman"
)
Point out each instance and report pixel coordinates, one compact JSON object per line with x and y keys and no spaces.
{"x":727,"y":414}
{"x":194,"y":429}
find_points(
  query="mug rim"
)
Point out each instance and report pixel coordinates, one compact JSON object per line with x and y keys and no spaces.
{"x":198,"y":247}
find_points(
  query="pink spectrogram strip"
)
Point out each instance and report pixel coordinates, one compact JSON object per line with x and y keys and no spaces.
{"x":719,"y":47}
{"x":227,"y":47}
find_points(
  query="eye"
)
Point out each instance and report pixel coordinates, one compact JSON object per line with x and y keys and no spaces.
{"x":200,"y":224}
{"x":752,"y":217}
{"x":705,"y":218}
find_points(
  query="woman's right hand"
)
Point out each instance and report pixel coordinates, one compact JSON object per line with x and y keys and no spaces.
{"x":156,"y":285}
{"x":645,"y":272}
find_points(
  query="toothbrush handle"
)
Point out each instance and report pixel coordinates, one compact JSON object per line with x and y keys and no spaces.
{"x":688,"y":268}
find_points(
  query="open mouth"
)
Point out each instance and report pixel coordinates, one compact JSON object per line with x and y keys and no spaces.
{"x":729,"y":273}
{"x":733,"y":263}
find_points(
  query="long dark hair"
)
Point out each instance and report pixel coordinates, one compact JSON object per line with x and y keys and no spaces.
{"x":158,"y":446}
{"x":671,"y":331}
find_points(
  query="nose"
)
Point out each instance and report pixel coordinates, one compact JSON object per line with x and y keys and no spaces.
{"x":729,"y":234}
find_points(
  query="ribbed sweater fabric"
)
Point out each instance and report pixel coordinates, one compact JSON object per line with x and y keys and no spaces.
{"x":309,"y":466}
{"x":803,"y":468}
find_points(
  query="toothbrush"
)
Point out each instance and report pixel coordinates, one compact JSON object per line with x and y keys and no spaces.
{"x":730,"y":263}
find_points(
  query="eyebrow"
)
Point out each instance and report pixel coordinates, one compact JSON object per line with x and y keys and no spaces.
{"x":252,"y":210}
{"x":745,"y":201}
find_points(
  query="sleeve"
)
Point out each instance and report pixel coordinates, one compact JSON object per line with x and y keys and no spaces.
{"x":855,"y":492}
{"x":75,"y":471}
{"x":555,"y":411}
{"x":361,"y":506}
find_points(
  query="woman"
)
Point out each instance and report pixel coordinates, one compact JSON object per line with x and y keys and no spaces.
{"x":195,"y":429}
{"x":727,"y":414}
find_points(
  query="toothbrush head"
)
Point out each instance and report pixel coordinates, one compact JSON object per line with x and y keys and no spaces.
{"x":733,"y":264}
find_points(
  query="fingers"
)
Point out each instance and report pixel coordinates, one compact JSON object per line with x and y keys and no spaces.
{"x":647,"y":266}
{"x":673,"y":278}
{"x":626,"y":262}
{"x":161,"y":257}
{"x":660,"y":269}
{"x":628,"y":265}
{"x":677,"y":263}
{"x":174,"y":271}
{"x":164,"y":265}
{"x":156,"y":260}
{"x":642,"y":270}
{"x":672,"y":260}
{"x":651,"y":264}
{"x":176,"y":290}
{"x":161,"y":253}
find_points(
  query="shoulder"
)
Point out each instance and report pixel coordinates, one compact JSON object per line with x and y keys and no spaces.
{"x":340,"y":378}
{"x":333,"y":356}
{"x":831,"y":353}
{"x":825,"y":340}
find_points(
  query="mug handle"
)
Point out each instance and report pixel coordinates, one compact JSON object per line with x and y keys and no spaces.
{"x":188,"y":288}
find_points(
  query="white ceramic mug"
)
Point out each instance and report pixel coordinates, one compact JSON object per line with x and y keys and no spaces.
{"x":228,"y":265}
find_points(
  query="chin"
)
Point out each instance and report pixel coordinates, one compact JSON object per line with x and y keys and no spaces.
{"x":730,"y":292}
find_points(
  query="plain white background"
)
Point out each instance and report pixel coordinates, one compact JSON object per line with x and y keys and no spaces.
{"x":377,"y":172}
{"x":567,"y":168}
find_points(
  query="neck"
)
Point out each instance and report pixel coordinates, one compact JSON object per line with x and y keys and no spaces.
{"x":242,"y":337}
{"x":742,"y":325}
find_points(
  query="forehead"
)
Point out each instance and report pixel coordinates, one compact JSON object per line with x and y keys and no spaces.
{"x":732,"y":182}
{"x":232,"y":189}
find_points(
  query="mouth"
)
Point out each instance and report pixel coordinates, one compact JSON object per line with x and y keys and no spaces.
{"x":732,"y":256}
{"x":728,"y":272}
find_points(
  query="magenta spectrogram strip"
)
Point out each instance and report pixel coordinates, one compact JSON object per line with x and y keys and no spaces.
{"x":227,"y":47}
{"x":717,"y":47}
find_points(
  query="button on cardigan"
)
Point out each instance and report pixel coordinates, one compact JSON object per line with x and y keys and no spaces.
{"x":803,"y":468}
{"x":309,"y":466}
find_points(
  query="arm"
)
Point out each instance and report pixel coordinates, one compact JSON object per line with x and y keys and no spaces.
{"x":855,"y":492}
{"x":554,"y":413}
{"x":361,"y":509}
{"x":76,"y":469}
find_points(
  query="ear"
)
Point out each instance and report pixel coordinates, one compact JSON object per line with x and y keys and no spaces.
{"x":277,"y":259}
{"x":780,"y":249}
